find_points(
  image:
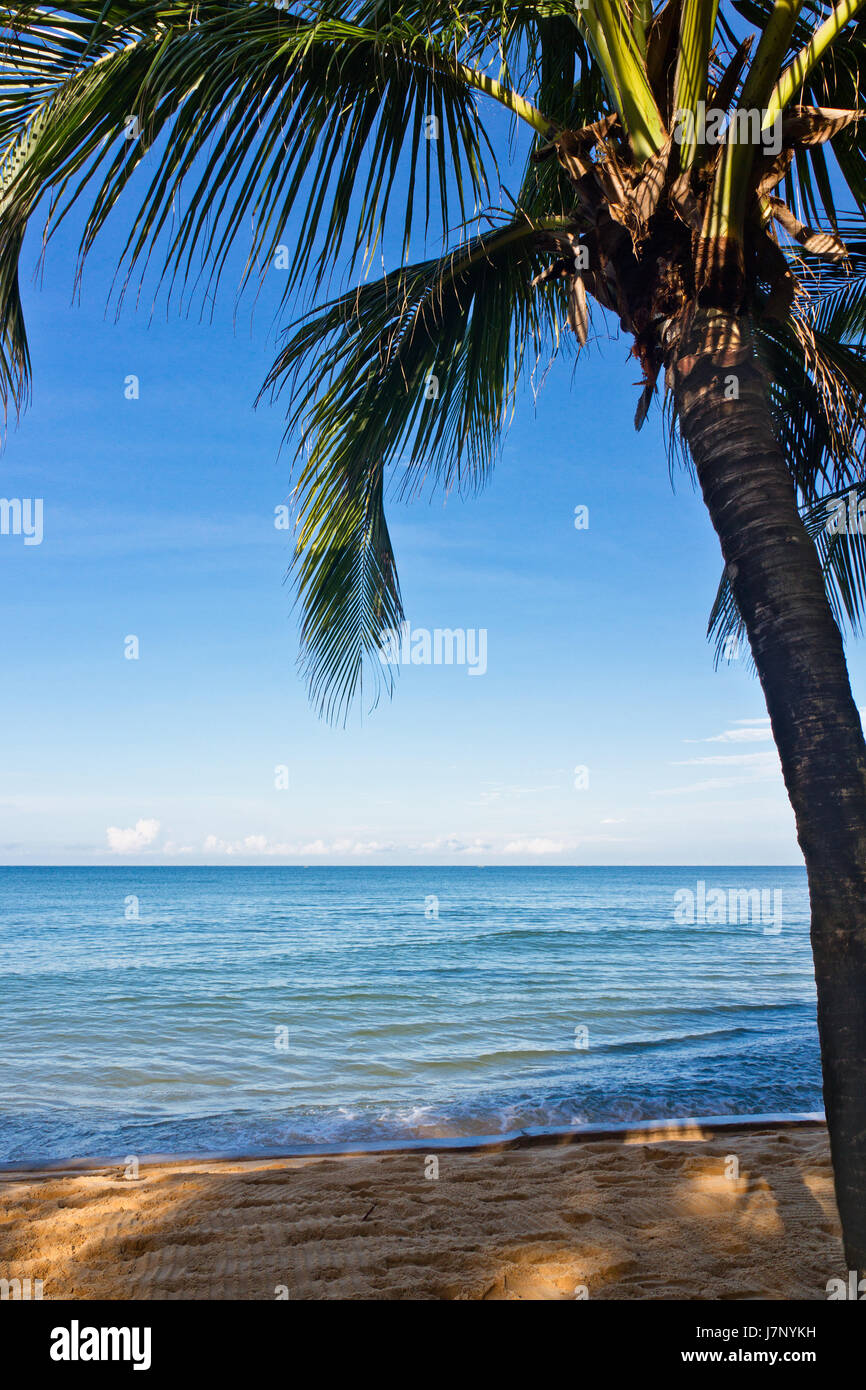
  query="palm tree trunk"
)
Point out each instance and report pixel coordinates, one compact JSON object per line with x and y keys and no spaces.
{"x":720,"y":398}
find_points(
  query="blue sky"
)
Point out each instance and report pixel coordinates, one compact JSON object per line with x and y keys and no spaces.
{"x":159,"y":523}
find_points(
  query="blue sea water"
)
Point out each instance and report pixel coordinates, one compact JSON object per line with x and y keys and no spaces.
{"x":262,"y":1009}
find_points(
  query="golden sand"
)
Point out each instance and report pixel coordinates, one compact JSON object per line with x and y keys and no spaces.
{"x":712,"y":1215}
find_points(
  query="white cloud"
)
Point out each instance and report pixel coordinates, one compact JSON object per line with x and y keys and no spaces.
{"x":768,"y":760}
{"x":318,"y":847}
{"x":745,"y":768}
{"x":754,"y":733}
{"x":456,"y":844}
{"x":249,"y":845}
{"x":746,"y":731}
{"x":539,"y":845}
{"x":497,"y":792}
{"x":259,"y":846}
{"x":453,"y":845}
{"x":714,"y":784}
{"x":143,"y":833}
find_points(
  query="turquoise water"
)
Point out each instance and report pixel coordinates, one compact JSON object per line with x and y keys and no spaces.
{"x":535,"y":997}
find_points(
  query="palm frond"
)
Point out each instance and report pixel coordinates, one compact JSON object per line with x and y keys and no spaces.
{"x":837,"y":525}
{"x":416,"y":371}
{"x":347,"y":586}
{"x":262,"y":111}
{"x":817,"y":395}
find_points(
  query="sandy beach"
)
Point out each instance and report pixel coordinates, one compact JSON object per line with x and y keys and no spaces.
{"x":709,"y":1214}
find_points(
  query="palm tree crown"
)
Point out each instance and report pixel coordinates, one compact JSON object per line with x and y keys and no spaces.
{"x":241,"y":113}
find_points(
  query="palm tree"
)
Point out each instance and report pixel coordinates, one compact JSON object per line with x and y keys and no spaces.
{"x":637,"y":201}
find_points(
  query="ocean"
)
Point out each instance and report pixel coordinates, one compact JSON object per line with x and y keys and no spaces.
{"x":260,"y":1010}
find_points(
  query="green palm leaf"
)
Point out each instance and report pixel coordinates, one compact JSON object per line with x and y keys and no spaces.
{"x":417,"y":373}
{"x":263,"y":113}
